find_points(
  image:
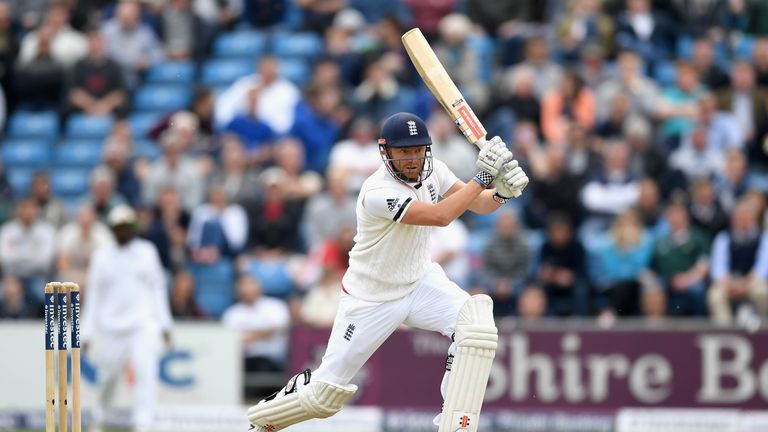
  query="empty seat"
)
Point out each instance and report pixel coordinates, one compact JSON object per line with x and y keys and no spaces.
{"x":180,"y":72}
{"x":224,"y":72}
{"x":78,"y":153}
{"x":214,"y":285}
{"x":26,"y":153}
{"x":88,"y":126}
{"x":665,"y":73}
{"x":70,"y":182}
{"x":142,"y":123}
{"x":244,"y":43}
{"x":146,"y":149}
{"x":162,"y":98}
{"x":19,"y":178}
{"x":273,"y":275}
{"x":297,"y":45}
{"x":295,"y":70}
{"x":27,"y":124}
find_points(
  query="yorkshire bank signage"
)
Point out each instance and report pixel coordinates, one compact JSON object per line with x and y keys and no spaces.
{"x":561,"y":369}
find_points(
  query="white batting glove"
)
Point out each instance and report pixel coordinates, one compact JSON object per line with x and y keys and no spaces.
{"x":511,"y":181}
{"x":492,"y":157}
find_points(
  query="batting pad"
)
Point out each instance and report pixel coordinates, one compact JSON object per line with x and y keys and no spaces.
{"x":475,"y":338}
{"x":318,"y":399}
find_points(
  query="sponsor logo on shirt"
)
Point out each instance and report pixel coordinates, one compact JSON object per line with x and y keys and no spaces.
{"x":392,"y":203}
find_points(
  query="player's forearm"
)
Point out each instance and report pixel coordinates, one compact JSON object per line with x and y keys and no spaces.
{"x":455,"y":205}
{"x":484,"y":203}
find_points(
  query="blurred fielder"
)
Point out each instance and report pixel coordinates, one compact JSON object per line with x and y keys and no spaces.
{"x":126,"y":304}
{"x":391,"y":281}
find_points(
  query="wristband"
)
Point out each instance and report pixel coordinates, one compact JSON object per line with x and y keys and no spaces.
{"x":499,"y":199}
{"x":483,"y":179}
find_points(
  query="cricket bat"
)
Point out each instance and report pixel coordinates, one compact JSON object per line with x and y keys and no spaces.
{"x":442,"y":87}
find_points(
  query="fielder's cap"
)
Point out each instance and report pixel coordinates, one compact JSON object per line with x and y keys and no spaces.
{"x":121,"y":215}
{"x":404,"y":130}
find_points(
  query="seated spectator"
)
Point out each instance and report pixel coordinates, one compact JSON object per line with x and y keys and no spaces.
{"x":583,"y":155}
{"x":703,"y":59}
{"x":630,"y":81}
{"x":275,"y":220}
{"x":27,"y":247}
{"x":583,"y":23}
{"x":696,"y":159}
{"x":449,"y":146}
{"x":555,"y":190}
{"x":317,"y":15}
{"x":297,"y":182}
{"x":39,"y":81}
{"x":182,"y":302}
{"x":760,"y":60}
{"x":739,"y":267}
{"x":76,"y":242}
{"x":66,"y":45}
{"x":130,"y":42}
{"x":96,"y":85}
{"x":612,"y":190}
{"x":185,"y":35}
{"x":218,"y":229}
{"x":735,"y":181}
{"x":706,"y":212}
{"x":572,"y":102}
{"x":277,"y":100}
{"x":201,"y":108}
{"x":167,"y":230}
{"x":680,"y":260}
{"x":6,"y":193}
{"x":329,"y":211}
{"x":647,"y":160}
{"x":505,"y":263}
{"x":13,"y":302}
{"x":649,"y":206}
{"x":461,"y":59}
{"x":380,"y":94}
{"x":653,"y":305}
{"x":219,"y":14}
{"x":746,"y":102}
{"x":593,"y":66}
{"x":531,"y":304}
{"x":359,"y":155}
{"x":51,"y":209}
{"x":240,"y":181}
{"x":613,"y":127}
{"x":102,"y":196}
{"x":562,"y":269}
{"x":723,"y":131}
{"x":520,"y":97}
{"x":450,"y":249}
{"x":319,"y":306}
{"x":117,"y":157}
{"x":546,"y":73}
{"x":317,"y":125}
{"x":643,"y":30}
{"x":620,"y":263}
{"x":263,"y":324}
{"x":255,"y":133}
{"x":678,"y":107}
{"x":176,"y":170}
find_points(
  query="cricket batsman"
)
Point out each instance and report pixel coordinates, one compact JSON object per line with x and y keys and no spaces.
{"x":392,"y":281}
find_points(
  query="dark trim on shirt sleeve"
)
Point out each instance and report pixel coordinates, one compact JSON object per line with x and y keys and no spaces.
{"x":402,"y":210}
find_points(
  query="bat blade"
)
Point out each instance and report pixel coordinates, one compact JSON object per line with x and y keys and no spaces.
{"x":442,"y":86}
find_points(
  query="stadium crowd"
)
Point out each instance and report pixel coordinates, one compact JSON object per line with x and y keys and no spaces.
{"x":241,"y":131}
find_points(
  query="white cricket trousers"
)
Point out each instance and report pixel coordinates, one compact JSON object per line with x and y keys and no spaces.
{"x":142,"y":347}
{"x":360,"y":326}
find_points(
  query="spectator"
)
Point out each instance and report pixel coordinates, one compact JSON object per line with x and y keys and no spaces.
{"x":680,"y":260}
{"x":583,"y":152}
{"x":429,"y":16}
{"x":297,"y":183}
{"x":176,"y":170}
{"x":645,"y":31}
{"x":359,"y":155}
{"x":263,"y":325}
{"x":185,"y":34}
{"x":96,"y":85}
{"x":274,"y":221}
{"x":696,"y":158}
{"x":9,"y":45}
{"x":183,"y":303}
{"x":612,"y":190}
{"x":653,"y":304}
{"x":318,"y":308}
{"x":555,"y":190}
{"x":692,"y":18}
{"x":735,"y":181}
{"x":167,"y":230}
{"x":520,"y":97}
{"x":760,"y":60}
{"x":76,"y":242}
{"x":6,"y":195}
{"x":51,"y":209}
{"x":254,"y":132}
{"x":450,"y":249}
{"x":723,"y":131}
{"x":677,"y":108}
{"x":218,"y":229}
{"x":380,"y":94}
{"x":130,"y":42}
{"x":27,"y":246}
{"x":329,"y":211}
{"x":593,"y":67}
{"x":649,"y":206}
{"x":39,"y":81}
{"x":739,"y":267}
{"x":461,"y":59}
{"x":13,"y":302}
{"x":201,"y":108}
{"x":546,"y":73}
{"x":506,"y":259}
{"x":703,"y":60}
{"x":66,"y":45}
{"x":747,"y":104}
{"x":118,"y":159}
{"x":532,"y":304}
{"x":613,"y":126}
{"x":707,"y":214}
{"x":219,"y":14}
{"x":630,"y":80}
{"x":277,"y":100}
{"x":318,"y":125}
{"x":621,"y":261}
{"x":239,"y":180}
{"x":317,"y":15}
{"x":573,"y":102}
{"x":647,"y":160}
{"x":449,"y":146}
{"x":562,"y":269}
{"x":102,"y":196}
{"x":582,"y":24}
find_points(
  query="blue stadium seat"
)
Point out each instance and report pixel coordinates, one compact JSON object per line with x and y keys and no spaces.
{"x":78,"y":153}
{"x":155,"y":97}
{"x":19,"y":178}
{"x":274,"y":277}
{"x":26,"y":124}
{"x":215,"y":285}
{"x":244,"y":43}
{"x":665,"y":73}
{"x":295,"y":70}
{"x":744,"y":47}
{"x":142,"y":123}
{"x":224,"y":72}
{"x":146,"y":149}
{"x":70,"y":182}
{"x":26,"y":153}
{"x":88,"y":126}
{"x":179,"y":72}
{"x":297,"y":45}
